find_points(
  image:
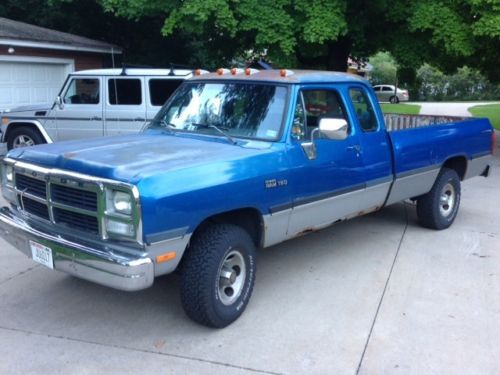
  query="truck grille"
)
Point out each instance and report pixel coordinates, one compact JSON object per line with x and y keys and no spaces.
{"x":36,"y":208}
{"x":65,"y":204}
{"x":75,"y":220}
{"x":84,"y":199}
{"x":31,"y":185}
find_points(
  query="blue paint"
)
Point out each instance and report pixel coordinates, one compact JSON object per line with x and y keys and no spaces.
{"x":184,"y":178}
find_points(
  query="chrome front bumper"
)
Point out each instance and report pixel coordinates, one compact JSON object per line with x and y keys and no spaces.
{"x":100,"y":264}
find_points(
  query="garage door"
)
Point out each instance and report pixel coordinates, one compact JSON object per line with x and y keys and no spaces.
{"x":24,"y":83}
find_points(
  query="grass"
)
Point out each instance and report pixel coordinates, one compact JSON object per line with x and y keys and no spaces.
{"x":491,"y":111}
{"x":404,"y":109}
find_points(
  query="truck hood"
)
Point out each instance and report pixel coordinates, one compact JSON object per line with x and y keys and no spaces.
{"x":27,"y":108}
{"x":134,"y":157}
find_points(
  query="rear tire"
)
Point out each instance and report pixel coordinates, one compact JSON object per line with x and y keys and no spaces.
{"x":217,"y":275}
{"x":23,"y":136}
{"x":439,"y":207}
{"x":394,"y":100}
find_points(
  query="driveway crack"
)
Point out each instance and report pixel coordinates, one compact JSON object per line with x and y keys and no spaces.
{"x":383,"y":292}
{"x":19,"y":274}
{"x":122,"y":347}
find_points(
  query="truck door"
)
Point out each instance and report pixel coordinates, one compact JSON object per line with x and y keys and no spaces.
{"x":80,"y":115}
{"x":125,"y":108}
{"x":330,"y":186}
{"x":376,"y":152}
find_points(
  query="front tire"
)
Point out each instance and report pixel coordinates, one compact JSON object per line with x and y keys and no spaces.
{"x":217,"y":275}
{"x":439,"y":207}
{"x":23,"y":136}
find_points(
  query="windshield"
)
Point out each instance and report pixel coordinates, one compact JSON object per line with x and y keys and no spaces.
{"x":234,"y":109}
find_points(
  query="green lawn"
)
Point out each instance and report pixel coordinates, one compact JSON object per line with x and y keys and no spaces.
{"x":404,"y":109}
{"x":492,"y":111}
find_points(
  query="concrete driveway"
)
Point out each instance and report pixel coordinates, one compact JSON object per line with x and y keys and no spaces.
{"x":375,"y":295}
{"x":448,"y":108}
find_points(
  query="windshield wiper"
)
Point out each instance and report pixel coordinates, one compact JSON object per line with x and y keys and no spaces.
{"x":211,"y":126}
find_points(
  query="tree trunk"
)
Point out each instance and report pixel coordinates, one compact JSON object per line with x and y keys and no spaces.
{"x":338,"y":53}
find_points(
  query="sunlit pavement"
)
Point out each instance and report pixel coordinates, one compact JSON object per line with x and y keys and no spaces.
{"x":374,"y":295}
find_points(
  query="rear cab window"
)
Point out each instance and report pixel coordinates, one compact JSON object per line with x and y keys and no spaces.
{"x":363,"y":109}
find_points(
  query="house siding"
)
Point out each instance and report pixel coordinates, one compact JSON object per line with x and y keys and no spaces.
{"x":83,"y":60}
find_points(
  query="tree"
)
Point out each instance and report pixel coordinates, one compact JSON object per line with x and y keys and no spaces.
{"x":384,"y":69}
{"x":322,"y":33}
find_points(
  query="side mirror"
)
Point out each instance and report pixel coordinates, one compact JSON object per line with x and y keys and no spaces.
{"x":59,"y":102}
{"x":334,"y":128}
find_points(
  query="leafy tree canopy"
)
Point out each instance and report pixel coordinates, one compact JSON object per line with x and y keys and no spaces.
{"x":322,"y":33}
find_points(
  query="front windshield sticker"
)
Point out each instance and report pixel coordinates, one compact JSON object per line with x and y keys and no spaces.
{"x":231,"y":109}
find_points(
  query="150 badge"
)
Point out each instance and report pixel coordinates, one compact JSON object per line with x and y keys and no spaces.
{"x":275,"y":183}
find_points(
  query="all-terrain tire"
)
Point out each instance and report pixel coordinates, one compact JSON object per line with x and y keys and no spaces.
{"x":207,"y":297}
{"x":439,"y":207}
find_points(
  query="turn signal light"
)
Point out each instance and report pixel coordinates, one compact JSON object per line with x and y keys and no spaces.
{"x":166,"y":257}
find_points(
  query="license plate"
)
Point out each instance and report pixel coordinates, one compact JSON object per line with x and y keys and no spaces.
{"x":42,"y":254}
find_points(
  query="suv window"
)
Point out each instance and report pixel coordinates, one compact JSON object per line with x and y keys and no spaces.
{"x":364,"y":109}
{"x":161,"y":89}
{"x":82,"y":91}
{"x":124,"y":91}
{"x":312,"y":105}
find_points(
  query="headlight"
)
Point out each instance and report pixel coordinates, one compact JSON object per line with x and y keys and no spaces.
{"x":120,"y":202}
{"x":121,"y":228}
{"x":7,"y":174}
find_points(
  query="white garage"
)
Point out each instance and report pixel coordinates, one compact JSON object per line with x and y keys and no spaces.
{"x":34,"y":61}
{"x":31,"y":80}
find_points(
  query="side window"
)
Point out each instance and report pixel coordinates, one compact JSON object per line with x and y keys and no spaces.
{"x":312,"y":105}
{"x":364,"y":110}
{"x":82,"y":91}
{"x":376,"y":89}
{"x":161,"y":89}
{"x":126,"y":91}
{"x":387,"y":88}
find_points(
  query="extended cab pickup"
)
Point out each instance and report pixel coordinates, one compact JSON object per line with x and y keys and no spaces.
{"x":234,"y":161}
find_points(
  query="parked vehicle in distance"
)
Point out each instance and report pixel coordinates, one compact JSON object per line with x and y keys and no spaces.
{"x":93,"y":103}
{"x":387,"y":93}
{"x":234,"y":161}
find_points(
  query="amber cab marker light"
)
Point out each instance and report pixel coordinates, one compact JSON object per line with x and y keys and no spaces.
{"x":283,"y":72}
{"x":220,"y":71}
{"x":248,"y":71}
{"x":166,"y":257}
{"x":234,"y":71}
{"x":197,"y":72}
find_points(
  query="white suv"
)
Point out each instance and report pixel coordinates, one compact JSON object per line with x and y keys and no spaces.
{"x":93,"y":103}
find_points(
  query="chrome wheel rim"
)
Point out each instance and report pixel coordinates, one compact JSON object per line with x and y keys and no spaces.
{"x":231,"y":277}
{"x":22,"y":141}
{"x":447,"y":200}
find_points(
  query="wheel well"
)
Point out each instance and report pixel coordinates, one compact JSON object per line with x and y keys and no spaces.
{"x":249,"y":219}
{"x":459,"y":164}
{"x":16,"y":125}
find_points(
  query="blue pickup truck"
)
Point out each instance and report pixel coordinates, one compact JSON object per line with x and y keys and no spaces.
{"x":234,"y":161}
